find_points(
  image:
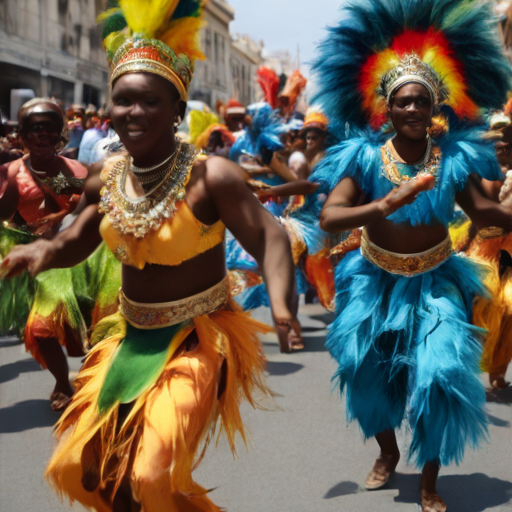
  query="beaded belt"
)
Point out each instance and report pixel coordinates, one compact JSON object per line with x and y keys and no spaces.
{"x":407,"y":265}
{"x":156,"y":316}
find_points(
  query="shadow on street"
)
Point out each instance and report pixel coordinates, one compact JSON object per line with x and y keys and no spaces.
{"x":27,"y":415}
{"x":314,"y":344}
{"x":280,"y":369}
{"x":462,"y":493}
{"x":502,"y":396}
{"x":12,"y":371}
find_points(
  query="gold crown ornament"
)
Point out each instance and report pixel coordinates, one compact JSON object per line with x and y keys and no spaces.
{"x":412,"y":70}
{"x":139,"y":55}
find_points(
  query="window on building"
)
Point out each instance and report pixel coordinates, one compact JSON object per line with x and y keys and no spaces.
{"x":91,"y":95}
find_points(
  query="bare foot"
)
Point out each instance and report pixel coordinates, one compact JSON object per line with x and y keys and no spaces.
{"x":381,"y":472}
{"x":432,"y":502}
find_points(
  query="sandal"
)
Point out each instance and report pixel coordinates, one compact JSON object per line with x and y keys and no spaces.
{"x":59,"y":401}
{"x":381,"y":473}
{"x":296,"y":341}
{"x":432,"y":502}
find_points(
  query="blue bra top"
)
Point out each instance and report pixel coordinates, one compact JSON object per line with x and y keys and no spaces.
{"x":463,"y":152}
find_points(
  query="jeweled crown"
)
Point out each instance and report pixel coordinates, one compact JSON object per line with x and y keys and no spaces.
{"x":139,"y":55}
{"x":411,"y":69}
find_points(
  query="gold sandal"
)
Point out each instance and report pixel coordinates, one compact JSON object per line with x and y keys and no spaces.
{"x":432,"y":502}
{"x":380,"y":474}
{"x":59,"y":401}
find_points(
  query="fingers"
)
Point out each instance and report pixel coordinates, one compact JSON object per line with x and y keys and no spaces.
{"x":289,"y":334}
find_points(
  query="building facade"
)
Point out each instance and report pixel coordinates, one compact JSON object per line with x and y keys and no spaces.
{"x":245,"y":59}
{"x":54,"y":48}
{"x":212,"y":77}
{"x":229,"y":69}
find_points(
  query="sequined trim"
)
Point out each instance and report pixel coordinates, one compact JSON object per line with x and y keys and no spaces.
{"x":60,"y":183}
{"x":156,"y":316}
{"x":492,"y":232}
{"x":407,"y":265}
{"x":392,"y":166}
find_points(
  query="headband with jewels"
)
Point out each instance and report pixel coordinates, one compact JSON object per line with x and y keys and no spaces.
{"x":412,"y":70}
{"x":379,"y":45}
{"x":154,"y":36}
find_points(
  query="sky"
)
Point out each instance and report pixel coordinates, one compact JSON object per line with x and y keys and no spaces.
{"x":284,"y":24}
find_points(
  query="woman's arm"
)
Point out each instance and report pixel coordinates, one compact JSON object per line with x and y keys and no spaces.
{"x":259,"y":234}
{"x":483,"y":211}
{"x":341,"y":213}
{"x":282,"y":169}
{"x":70,"y":247}
{"x":9,"y":194}
{"x":293,"y":188}
{"x":492,"y":189}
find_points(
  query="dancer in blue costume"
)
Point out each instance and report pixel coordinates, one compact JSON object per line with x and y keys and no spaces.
{"x":259,"y":143}
{"x":403,"y":337}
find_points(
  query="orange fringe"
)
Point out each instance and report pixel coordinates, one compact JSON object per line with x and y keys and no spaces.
{"x":320,"y":274}
{"x":494,"y":314}
{"x":54,"y":326}
{"x":156,"y":446}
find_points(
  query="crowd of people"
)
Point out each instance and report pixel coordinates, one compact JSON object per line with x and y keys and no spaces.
{"x":144,"y":248}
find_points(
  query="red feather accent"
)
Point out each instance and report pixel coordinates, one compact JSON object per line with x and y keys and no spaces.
{"x":269,"y":82}
{"x":431,"y":42}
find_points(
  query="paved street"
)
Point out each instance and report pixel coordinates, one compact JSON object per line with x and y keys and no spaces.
{"x":303,"y":457}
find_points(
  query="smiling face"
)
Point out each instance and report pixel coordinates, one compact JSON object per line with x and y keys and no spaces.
{"x":144,"y":109}
{"x":41,"y":134}
{"x":411,"y":111}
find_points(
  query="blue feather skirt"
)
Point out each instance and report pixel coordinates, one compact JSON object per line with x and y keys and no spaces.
{"x":406,"y":348}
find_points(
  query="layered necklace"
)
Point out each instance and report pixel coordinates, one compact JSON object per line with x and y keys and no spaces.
{"x":57,"y":184}
{"x":163,"y":184}
{"x":399,"y":172}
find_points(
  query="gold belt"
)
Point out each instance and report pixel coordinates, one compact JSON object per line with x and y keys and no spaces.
{"x":407,"y":265}
{"x":165,"y":314}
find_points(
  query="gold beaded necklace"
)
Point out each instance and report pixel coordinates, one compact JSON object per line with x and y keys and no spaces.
{"x":393,"y":166}
{"x":138,"y":216}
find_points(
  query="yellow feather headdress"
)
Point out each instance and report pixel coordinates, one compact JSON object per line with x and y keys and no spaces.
{"x":153,"y":36}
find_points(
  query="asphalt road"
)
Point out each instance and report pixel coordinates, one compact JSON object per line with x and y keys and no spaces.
{"x":303,"y":457}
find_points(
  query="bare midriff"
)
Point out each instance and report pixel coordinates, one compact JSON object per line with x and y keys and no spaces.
{"x":159,"y":283}
{"x":404,"y":238}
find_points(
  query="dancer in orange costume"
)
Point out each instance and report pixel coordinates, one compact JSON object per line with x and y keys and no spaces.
{"x":179,"y":356}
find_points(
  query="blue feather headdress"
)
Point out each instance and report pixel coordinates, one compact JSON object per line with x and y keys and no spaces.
{"x":263,"y":135}
{"x":456,"y":39}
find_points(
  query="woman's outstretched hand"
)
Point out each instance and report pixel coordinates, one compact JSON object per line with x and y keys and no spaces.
{"x":406,"y":193}
{"x":34,"y":258}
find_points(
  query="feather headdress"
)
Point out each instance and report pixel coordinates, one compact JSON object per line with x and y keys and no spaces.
{"x":454,"y":45}
{"x":295,"y":84}
{"x":153,"y":36}
{"x":269,"y":82}
{"x":315,"y":119}
{"x":263,"y":133}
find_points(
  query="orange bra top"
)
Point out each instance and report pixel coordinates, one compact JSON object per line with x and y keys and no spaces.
{"x":177,"y":239}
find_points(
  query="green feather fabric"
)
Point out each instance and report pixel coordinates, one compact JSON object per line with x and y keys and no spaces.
{"x":16,"y":294}
{"x":111,"y":21}
{"x":104,"y":276}
{"x":188,"y":9}
{"x":136,"y":365}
